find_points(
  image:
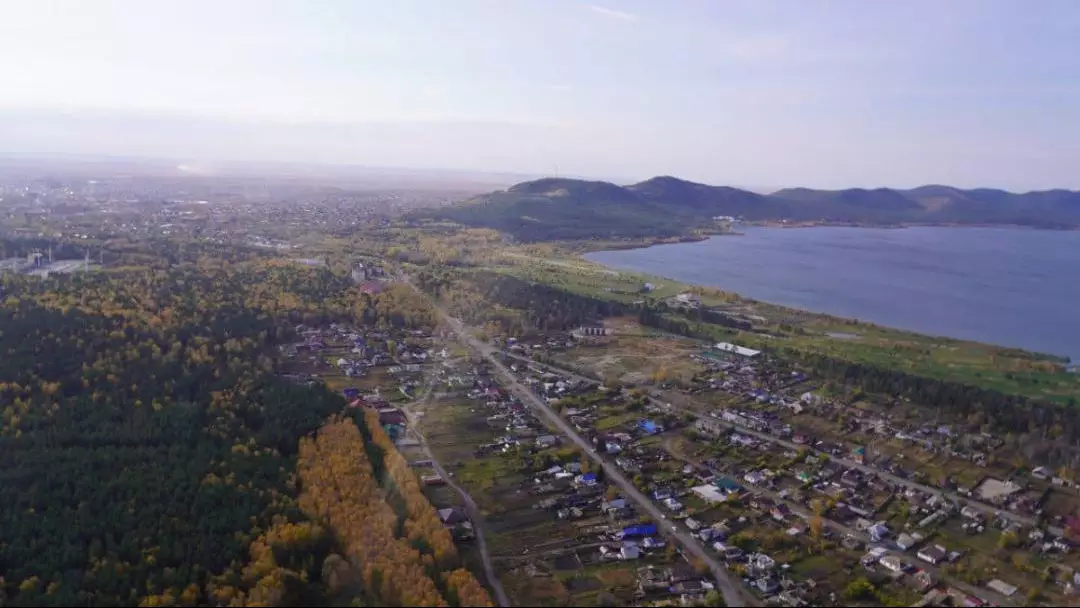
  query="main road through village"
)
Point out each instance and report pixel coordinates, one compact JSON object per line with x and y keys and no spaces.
{"x":726,"y":583}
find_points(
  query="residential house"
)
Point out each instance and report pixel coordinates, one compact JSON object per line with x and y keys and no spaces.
{"x":1062,"y":544}
{"x":852,"y":479}
{"x":616,"y":504}
{"x":689,"y":588}
{"x":760,"y":562}
{"x":649,"y":427}
{"x":393,"y":416}
{"x":878,"y":532}
{"x":733,"y":554}
{"x":892,"y":563}
{"x":754,"y":478}
{"x":682,"y":572}
{"x":587,"y":480}
{"x":933,"y":555}
{"x":546,"y":441}
{"x":971,"y":512}
{"x":709,"y":493}
{"x":727,"y":485}
{"x":905,"y":541}
{"x":797,"y":529}
{"x":767,"y":585}
{"x":859,"y":455}
{"x":673,"y":504}
{"x":779,"y":512}
{"x":1001,"y":587}
{"x":457,"y":521}
{"x":709,"y":427}
{"x":923,"y":580}
{"x":433,"y":479}
{"x":653,"y":543}
{"x":637,"y":531}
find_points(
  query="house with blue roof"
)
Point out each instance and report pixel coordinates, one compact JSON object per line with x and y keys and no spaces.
{"x":587,"y":480}
{"x":639,"y":530}
{"x":649,"y":427}
{"x":727,"y":484}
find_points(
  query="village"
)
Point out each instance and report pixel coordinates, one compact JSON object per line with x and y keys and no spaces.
{"x":806,"y":499}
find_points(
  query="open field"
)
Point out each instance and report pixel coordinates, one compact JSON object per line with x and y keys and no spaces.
{"x":636,"y":354}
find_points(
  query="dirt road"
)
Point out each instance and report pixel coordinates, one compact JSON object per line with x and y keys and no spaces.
{"x":733,"y":594}
{"x":470,"y":506}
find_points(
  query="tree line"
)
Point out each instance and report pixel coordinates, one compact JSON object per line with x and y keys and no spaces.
{"x":395,"y":557}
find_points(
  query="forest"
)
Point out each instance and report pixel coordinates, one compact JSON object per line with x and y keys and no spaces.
{"x":149,"y":453}
{"x":517,"y":307}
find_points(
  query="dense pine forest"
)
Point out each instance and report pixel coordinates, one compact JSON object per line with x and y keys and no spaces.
{"x":150,"y":455}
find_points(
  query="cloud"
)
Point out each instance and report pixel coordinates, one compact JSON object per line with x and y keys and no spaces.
{"x":612,"y":13}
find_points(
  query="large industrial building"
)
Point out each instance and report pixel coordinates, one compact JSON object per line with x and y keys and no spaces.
{"x":38,"y":264}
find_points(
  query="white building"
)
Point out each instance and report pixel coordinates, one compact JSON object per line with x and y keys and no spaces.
{"x":727,"y":347}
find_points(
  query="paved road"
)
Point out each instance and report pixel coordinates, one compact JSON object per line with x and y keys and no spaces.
{"x":798,"y":509}
{"x":728,"y":585}
{"x":802,"y":512}
{"x":470,"y":507}
{"x":680,"y":400}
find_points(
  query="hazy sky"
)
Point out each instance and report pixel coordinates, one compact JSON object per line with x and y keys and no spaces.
{"x":752,"y":93}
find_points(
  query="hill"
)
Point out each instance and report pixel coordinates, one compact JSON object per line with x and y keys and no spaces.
{"x":556,"y":209}
{"x":936,"y":204}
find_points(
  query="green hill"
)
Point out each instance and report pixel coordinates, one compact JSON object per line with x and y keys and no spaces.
{"x":555,"y":209}
{"x":571,"y":209}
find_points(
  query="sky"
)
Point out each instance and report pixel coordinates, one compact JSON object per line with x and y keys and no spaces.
{"x":753,"y":93}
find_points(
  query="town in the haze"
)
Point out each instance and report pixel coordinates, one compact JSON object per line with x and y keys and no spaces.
{"x":574,"y":303}
{"x":559,"y":432}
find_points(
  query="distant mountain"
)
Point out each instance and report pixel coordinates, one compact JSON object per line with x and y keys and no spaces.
{"x":556,"y":209}
{"x":681,"y":196}
{"x":936,"y":205}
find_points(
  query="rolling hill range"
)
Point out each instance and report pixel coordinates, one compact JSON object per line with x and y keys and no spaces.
{"x":565,"y":209}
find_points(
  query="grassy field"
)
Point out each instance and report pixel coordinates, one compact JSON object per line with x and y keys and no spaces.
{"x":637,"y":354}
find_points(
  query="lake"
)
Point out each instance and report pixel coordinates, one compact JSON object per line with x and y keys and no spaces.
{"x":1008,"y":286}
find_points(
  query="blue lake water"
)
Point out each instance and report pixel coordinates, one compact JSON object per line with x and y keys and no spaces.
{"x":1007,"y":286}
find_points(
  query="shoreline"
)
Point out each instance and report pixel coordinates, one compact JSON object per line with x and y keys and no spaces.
{"x":1070,"y":363}
{"x":580,"y":248}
